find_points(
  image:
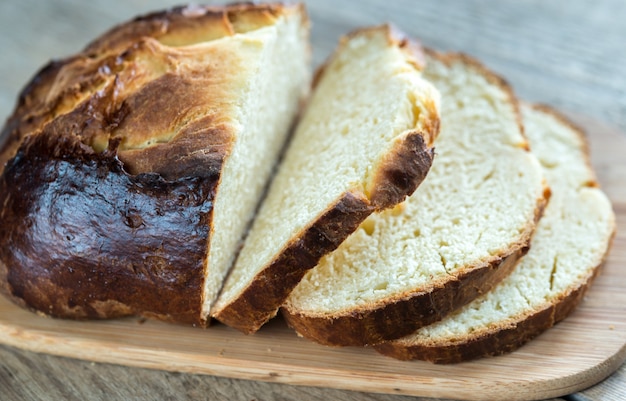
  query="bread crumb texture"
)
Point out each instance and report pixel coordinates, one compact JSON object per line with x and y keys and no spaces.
{"x":478,"y":201}
{"x":370,"y":96}
{"x":570,"y":243}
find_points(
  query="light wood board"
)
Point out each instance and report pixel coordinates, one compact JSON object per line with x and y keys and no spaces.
{"x":577,"y":353}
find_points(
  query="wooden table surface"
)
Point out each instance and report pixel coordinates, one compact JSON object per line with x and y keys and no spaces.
{"x":568,"y":54}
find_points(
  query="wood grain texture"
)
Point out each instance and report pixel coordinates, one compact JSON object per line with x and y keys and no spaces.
{"x":35,"y":376}
{"x":567,"y":54}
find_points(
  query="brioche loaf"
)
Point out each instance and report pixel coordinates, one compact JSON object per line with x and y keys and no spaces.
{"x":132,"y":169}
{"x":363,"y":145}
{"x":460,"y":232}
{"x":571,"y":240}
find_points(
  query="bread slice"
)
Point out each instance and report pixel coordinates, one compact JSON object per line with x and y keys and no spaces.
{"x":455,"y":237}
{"x":570,"y":243}
{"x":363,"y":145}
{"x":134,"y":168}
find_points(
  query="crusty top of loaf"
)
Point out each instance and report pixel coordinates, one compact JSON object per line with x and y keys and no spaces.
{"x":178,"y":26}
{"x":111,"y":93}
{"x":111,"y":160}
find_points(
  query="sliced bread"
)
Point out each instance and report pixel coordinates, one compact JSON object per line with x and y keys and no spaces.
{"x":460,"y":233}
{"x":363,"y":145}
{"x":134,"y":168}
{"x":570,"y":243}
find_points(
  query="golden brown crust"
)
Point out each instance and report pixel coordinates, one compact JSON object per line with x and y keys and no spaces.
{"x":179,"y":25}
{"x":107,"y":194}
{"x":28,"y":116}
{"x":126,"y":57}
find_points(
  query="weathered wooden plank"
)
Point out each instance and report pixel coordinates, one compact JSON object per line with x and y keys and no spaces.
{"x":30,"y":376}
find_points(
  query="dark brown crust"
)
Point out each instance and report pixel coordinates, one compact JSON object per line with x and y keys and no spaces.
{"x":399,"y":175}
{"x":514,"y":333}
{"x":403,"y":169}
{"x":503,"y":341}
{"x":84,"y":239}
{"x":394,"y":318}
{"x":406,"y":166}
{"x":260,"y":300}
{"x":396,"y":177}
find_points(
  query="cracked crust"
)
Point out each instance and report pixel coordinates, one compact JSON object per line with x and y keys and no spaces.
{"x":396,"y":177}
{"x":402,"y":314}
{"x":63,"y":84}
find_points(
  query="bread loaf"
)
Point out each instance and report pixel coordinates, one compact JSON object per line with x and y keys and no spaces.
{"x":363,"y":145}
{"x":131,"y":170}
{"x":570,"y":243}
{"x":460,"y":233}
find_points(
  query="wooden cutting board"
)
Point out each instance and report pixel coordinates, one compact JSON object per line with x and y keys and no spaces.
{"x":577,"y":353}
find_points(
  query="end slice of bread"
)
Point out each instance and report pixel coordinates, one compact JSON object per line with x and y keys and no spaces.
{"x":458,"y":235}
{"x":363,"y":145}
{"x":571,"y":241}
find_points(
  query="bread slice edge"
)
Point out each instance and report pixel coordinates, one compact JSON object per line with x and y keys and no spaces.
{"x":512,"y":333}
{"x":396,"y":177}
{"x":374,"y":323}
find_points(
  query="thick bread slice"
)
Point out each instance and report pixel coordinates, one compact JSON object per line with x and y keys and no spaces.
{"x":570,"y":243}
{"x":363,"y":144}
{"x":134,"y":167}
{"x":459,"y":234}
